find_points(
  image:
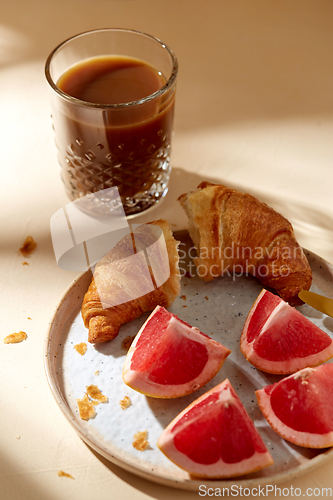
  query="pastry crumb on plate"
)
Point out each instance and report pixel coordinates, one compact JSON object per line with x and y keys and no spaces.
{"x":94,"y":392}
{"x":127,"y":342}
{"x":86,"y":408}
{"x":140,"y":441}
{"x":81,"y":348}
{"x":125,"y":403}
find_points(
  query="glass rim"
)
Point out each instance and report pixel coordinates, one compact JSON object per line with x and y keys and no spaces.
{"x":121,"y":105}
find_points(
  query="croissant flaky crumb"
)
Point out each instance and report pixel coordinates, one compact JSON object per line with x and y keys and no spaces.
{"x":94,"y":393}
{"x":127,"y":342}
{"x":140,"y":440}
{"x":28,"y":246}
{"x":92,"y":398}
{"x":61,"y":473}
{"x":125,"y":403}
{"x":15,"y":338}
{"x":86,"y":408}
{"x":81,"y":348}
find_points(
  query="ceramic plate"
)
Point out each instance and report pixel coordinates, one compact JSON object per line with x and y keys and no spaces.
{"x":219,"y":309}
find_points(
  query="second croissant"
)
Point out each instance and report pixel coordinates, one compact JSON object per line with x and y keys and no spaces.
{"x":233,"y":231}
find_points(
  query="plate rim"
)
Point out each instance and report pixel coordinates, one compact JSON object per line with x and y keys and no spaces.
{"x":185,"y":484}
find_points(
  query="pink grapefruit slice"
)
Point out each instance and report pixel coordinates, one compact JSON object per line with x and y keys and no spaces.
{"x":169,"y":358}
{"x":214,"y":437}
{"x":277,"y":338}
{"x":300,"y":407}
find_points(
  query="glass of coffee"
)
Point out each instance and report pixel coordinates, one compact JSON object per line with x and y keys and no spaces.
{"x":113,"y":98}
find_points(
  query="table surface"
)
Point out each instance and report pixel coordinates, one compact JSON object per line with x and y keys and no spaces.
{"x":254,"y":111}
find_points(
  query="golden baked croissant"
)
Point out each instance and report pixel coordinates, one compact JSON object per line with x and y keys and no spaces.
{"x":235,"y":233}
{"x":138,"y":274}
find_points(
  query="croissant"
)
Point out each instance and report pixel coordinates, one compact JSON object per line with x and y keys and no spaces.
{"x":235,"y":233}
{"x":139,"y":273}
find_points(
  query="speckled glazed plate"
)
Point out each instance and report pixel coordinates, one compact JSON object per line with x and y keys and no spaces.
{"x":219,"y":309}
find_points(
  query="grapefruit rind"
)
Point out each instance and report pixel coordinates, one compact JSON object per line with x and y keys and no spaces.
{"x":281,"y":366}
{"x":139,"y":380}
{"x":220,"y":469}
{"x":300,"y":438}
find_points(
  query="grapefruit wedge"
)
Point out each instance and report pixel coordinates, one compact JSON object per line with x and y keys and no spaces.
{"x":169,"y":358}
{"x":214,"y":437}
{"x":300,"y":407}
{"x":277,"y":338}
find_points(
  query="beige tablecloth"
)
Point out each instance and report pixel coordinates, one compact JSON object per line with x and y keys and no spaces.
{"x":254,"y":111}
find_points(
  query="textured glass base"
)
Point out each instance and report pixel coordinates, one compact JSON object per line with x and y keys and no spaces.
{"x":141,"y":201}
{"x":139,"y":187}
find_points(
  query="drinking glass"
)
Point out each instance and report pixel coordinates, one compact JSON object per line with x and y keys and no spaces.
{"x":124,"y":145}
